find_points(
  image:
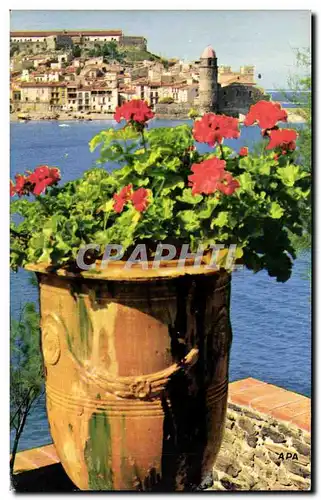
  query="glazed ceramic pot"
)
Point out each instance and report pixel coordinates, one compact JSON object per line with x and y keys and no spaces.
{"x":136,"y":368}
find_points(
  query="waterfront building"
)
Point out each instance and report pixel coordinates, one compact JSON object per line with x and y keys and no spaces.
{"x":224,"y":91}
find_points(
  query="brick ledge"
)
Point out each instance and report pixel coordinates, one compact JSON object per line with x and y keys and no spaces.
{"x":271,"y":400}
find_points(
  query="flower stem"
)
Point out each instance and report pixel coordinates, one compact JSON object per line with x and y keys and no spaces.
{"x":222,"y":152}
{"x":143,"y":140}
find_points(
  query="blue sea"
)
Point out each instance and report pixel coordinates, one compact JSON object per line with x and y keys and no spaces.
{"x":288,"y":98}
{"x":271,"y":321}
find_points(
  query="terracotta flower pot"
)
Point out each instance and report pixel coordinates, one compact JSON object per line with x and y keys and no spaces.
{"x":136,"y":366}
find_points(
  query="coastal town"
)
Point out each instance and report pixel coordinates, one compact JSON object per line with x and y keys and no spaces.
{"x":85,"y":75}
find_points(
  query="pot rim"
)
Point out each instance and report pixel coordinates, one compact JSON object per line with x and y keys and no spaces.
{"x":116,"y":270}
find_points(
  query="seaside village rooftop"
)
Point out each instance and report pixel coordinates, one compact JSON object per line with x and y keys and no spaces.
{"x":85,"y":74}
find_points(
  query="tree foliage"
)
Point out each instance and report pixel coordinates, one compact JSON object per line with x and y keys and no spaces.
{"x":109,"y":51}
{"x":301,"y":87}
{"x":76,"y":51}
{"x":26,"y":373}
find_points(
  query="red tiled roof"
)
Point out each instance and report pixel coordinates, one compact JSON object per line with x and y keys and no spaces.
{"x":31,"y":34}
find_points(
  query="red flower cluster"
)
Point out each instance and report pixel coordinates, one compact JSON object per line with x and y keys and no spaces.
{"x":228,"y":184}
{"x":43,"y":177}
{"x":122,"y":198}
{"x":282,"y":138}
{"x":244,"y":151}
{"x":37,"y":181}
{"x":212,"y":129}
{"x":138,"y":198}
{"x":266,"y":114}
{"x":21,"y":186}
{"x":210,"y":176}
{"x":135,"y":110}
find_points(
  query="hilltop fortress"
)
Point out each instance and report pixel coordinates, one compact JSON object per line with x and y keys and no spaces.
{"x":39,"y":41}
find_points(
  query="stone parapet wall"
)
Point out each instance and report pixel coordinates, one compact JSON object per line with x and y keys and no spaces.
{"x":262,"y":454}
{"x":33,"y":107}
{"x":133,"y":41}
{"x":173,"y":111}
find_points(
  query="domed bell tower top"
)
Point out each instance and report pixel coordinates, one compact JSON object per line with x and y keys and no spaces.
{"x":208,"y":81}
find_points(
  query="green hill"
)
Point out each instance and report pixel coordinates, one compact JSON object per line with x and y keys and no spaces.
{"x":136,"y":55}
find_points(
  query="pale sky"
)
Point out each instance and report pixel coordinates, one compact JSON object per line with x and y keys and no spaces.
{"x":265,"y":39}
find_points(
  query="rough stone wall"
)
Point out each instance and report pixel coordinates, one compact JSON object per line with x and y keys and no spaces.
{"x":237,"y":98}
{"x":173,"y":111}
{"x":33,"y":107}
{"x":260,"y":453}
{"x":64,"y":42}
{"x":133,"y":41}
{"x":32,"y":47}
{"x":139,"y":72}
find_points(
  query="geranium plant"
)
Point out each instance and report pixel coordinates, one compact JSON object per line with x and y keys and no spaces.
{"x":165,"y":190}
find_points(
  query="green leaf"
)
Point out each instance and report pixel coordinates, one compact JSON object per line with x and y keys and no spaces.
{"x":205,"y":210}
{"x":50,"y":226}
{"x":172,"y":182}
{"x":220,"y":221}
{"x":265,"y":169}
{"x":276,"y":211}
{"x":189,"y":219}
{"x":291,"y":174}
{"x":107,"y":207}
{"x":246,"y":182}
{"x":188,"y":197}
{"x":106,"y":137}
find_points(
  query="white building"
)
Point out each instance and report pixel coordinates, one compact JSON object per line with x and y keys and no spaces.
{"x":104,"y":99}
{"x":25,"y":75}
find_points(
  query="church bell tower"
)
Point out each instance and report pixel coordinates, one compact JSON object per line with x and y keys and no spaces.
{"x":208,"y":91}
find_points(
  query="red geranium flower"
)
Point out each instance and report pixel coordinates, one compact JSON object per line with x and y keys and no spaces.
{"x":42,"y":177}
{"x":135,"y":110}
{"x":244,"y":151}
{"x":44,"y":172}
{"x":55,"y":174}
{"x":212,"y":129}
{"x":39,"y":174}
{"x":140,"y":199}
{"x":283,"y":138}
{"x":12,"y":188}
{"x":122,"y":198}
{"x":20,"y":184}
{"x":266,"y":114}
{"x":206,"y":175}
{"x":41,"y":186}
{"x":228,"y":184}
